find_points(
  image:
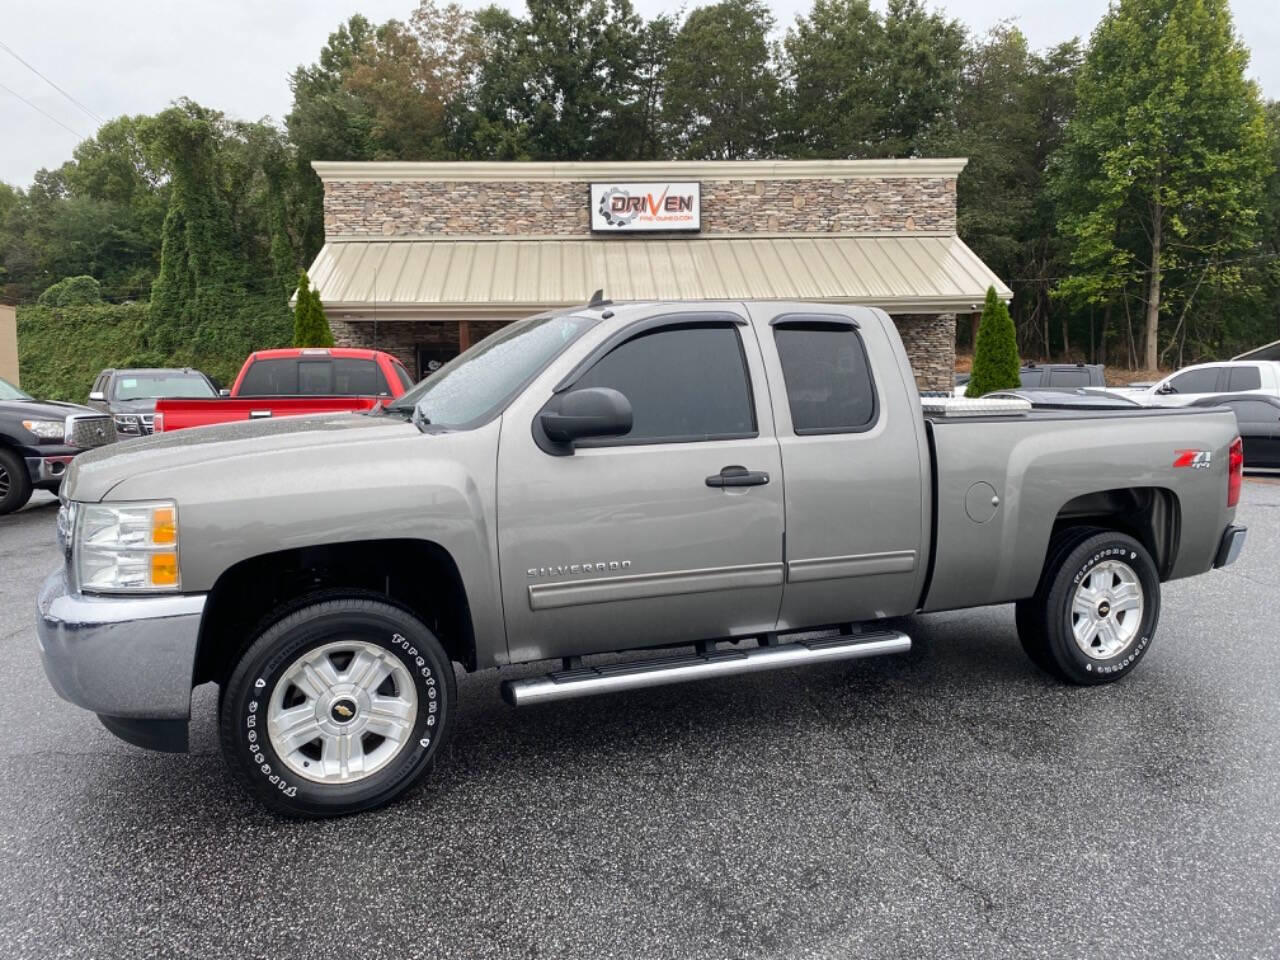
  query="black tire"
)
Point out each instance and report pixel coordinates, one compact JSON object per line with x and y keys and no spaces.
{"x":1045,"y":622}
{"x":15,"y":482}
{"x":1028,"y":613}
{"x":247,"y":697}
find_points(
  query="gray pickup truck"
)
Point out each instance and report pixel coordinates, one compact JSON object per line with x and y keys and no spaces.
{"x":754,"y":482}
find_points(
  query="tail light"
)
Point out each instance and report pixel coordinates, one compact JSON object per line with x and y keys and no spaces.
{"x":157,"y":425}
{"x":1235,"y":471}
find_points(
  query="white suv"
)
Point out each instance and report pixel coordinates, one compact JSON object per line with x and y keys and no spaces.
{"x":1207,"y":379}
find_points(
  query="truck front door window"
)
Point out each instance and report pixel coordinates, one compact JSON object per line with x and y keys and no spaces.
{"x":685,"y":383}
{"x":1204,"y":380}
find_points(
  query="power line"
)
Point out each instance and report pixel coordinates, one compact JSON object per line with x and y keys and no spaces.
{"x":19,"y":96}
{"x":9,"y":50}
{"x":1147,"y":271}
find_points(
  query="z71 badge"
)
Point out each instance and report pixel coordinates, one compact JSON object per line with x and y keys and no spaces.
{"x":1195,"y":459}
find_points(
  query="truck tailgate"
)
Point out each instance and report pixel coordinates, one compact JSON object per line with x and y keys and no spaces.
{"x":174,"y":414}
{"x":1001,"y":483}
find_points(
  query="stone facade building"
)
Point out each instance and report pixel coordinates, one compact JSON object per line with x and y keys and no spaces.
{"x":423,"y":259}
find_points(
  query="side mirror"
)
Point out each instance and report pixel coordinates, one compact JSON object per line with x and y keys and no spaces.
{"x":97,"y":396}
{"x":590,"y":412}
{"x":1166,"y":388}
{"x":224,"y":392}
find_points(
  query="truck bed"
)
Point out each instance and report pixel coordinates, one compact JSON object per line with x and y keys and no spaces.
{"x":173,"y":414}
{"x":1001,"y":482}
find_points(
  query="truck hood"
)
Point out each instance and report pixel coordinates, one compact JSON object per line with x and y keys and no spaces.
{"x":93,"y":474}
{"x":44,"y":409}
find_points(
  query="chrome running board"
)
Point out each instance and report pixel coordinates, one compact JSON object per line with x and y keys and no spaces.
{"x":638,"y":674}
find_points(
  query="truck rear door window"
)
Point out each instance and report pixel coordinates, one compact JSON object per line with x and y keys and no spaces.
{"x":1244,"y":378}
{"x":828,"y":378}
{"x":685,"y":383}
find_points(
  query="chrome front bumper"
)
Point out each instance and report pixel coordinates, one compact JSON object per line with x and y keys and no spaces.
{"x":125,"y":658}
{"x":47,"y":470}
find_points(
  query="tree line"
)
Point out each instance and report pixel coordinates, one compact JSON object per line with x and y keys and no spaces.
{"x":1125,"y":187}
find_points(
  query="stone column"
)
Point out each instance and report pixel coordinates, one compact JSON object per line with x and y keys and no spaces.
{"x":930,"y":341}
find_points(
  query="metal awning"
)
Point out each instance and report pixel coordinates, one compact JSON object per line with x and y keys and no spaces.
{"x":507,"y":275}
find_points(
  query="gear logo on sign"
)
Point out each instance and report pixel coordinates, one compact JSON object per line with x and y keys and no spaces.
{"x":616,"y":218}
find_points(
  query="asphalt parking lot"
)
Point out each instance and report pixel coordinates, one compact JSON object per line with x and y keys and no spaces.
{"x":948,"y":803}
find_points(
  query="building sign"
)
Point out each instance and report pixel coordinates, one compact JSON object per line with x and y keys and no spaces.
{"x":645,"y":207}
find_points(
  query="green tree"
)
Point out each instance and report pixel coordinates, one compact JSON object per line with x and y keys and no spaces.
{"x":1165,"y":160}
{"x":722,"y":86}
{"x":72,"y":292}
{"x":1009,"y":121}
{"x":310,"y":325}
{"x":212,"y":302}
{"x":572,"y":80}
{"x":995,"y":359}
{"x":864,"y":84}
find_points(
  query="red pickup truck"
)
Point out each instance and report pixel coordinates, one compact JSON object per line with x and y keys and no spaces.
{"x":293,"y":382}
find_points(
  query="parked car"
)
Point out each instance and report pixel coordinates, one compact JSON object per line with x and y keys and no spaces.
{"x":596,"y":481}
{"x":1202,"y":380}
{"x":1050,"y":376}
{"x":1079,"y":397}
{"x":38,"y":440}
{"x":130,"y":395}
{"x":293,"y":382}
{"x":1258,"y":417}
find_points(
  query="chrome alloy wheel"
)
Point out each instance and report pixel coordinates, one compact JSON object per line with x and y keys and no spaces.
{"x":5,"y":482}
{"x":342,"y":711}
{"x":1106,"y":611}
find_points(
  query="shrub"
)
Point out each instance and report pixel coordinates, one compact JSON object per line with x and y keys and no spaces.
{"x":72,"y":292}
{"x":995,"y":357}
{"x":62,"y":350}
{"x":310,"y":325}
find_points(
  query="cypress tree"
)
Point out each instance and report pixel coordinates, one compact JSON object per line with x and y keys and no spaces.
{"x":310,"y":325}
{"x":995,"y":358}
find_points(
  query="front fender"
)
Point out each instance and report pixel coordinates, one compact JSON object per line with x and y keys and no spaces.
{"x":435,"y":487}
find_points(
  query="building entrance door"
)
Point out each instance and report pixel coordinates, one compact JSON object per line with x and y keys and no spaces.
{"x":431,"y":358}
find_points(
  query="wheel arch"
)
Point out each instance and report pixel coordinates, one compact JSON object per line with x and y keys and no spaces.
{"x":1151,"y":515}
{"x":419,"y":575}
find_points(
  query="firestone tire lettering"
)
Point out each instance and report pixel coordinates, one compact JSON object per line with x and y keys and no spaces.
{"x":246,"y":745}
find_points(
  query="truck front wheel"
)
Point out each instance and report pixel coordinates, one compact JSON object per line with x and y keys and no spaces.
{"x":339,"y":707}
{"x":1095,"y":612}
{"x":15,"y":482}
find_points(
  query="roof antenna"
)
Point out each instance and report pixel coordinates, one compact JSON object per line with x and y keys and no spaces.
{"x":598,"y":300}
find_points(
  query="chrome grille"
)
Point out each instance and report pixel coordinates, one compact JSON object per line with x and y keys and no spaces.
{"x":148,"y":423}
{"x":89,"y":432}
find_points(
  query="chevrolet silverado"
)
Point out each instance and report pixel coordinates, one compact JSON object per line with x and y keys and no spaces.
{"x":756,"y":483}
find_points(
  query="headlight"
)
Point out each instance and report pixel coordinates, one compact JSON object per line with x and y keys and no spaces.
{"x":127,"y":424}
{"x":55,"y":430}
{"x":126,"y":547}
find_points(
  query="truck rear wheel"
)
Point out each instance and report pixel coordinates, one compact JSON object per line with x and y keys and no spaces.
{"x":1095,"y":612}
{"x":339,"y":707}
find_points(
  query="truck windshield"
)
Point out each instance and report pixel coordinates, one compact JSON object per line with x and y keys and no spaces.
{"x":145,"y":386}
{"x":473,"y":386}
{"x":9,"y":392}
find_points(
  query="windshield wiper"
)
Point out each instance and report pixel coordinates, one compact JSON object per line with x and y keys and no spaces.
{"x":419,"y":419}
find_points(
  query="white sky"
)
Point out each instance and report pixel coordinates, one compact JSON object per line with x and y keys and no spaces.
{"x":135,"y":56}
